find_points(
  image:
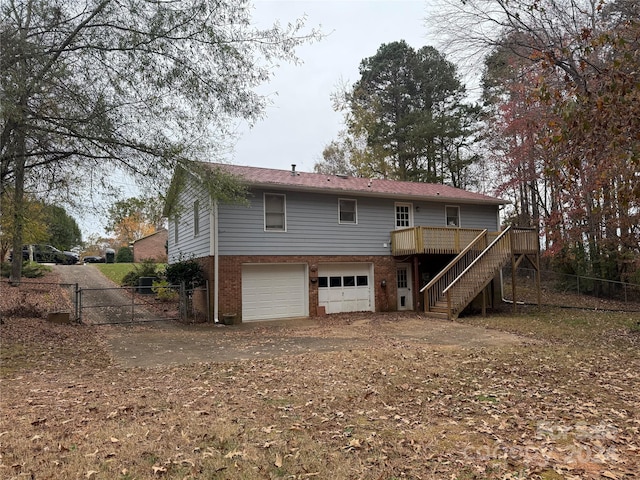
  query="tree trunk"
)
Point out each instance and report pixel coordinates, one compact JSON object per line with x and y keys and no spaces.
{"x":18,"y":201}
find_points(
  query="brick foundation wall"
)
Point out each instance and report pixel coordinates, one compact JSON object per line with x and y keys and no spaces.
{"x":152,"y":246}
{"x":230,"y":294}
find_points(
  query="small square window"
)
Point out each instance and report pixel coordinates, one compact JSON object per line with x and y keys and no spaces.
{"x":335,"y":281}
{"x":362,"y":280}
{"x":404,"y":215}
{"x":323,"y":282}
{"x":349,"y":281}
{"x":347,"y":210}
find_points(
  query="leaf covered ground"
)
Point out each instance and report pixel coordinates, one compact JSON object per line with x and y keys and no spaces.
{"x":563,"y":404}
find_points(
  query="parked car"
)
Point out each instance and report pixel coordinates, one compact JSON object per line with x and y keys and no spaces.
{"x":49,"y":254}
{"x":71,"y":257}
{"x":93,"y":259}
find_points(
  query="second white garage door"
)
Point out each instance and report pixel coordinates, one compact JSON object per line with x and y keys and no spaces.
{"x":346,"y":287}
{"x":271,"y":291}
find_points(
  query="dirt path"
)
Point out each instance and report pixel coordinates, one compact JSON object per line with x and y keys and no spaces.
{"x":102,"y":300}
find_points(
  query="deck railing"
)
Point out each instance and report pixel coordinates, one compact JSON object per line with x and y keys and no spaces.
{"x":433,"y":290}
{"x":452,"y":240}
{"x":524,"y":240}
{"x":435,"y":240}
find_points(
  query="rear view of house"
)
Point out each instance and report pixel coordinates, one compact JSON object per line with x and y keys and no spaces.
{"x":306,"y":244}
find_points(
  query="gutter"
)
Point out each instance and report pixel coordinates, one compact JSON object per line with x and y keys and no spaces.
{"x":365,"y":193}
{"x":213,"y":248}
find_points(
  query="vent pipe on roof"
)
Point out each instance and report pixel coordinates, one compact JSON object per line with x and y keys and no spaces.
{"x":293,"y":169}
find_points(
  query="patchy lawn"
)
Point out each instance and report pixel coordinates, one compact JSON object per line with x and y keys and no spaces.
{"x":564,"y":405}
{"x":115,"y":271}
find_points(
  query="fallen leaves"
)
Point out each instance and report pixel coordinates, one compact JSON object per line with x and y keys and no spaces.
{"x":235,"y":454}
{"x":393,"y":406}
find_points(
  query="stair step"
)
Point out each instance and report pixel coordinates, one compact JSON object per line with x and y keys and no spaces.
{"x":438,"y":315}
{"x":438,"y":309}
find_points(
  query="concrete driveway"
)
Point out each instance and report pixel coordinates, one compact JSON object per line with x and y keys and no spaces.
{"x":153,"y":345}
{"x":172,"y":343}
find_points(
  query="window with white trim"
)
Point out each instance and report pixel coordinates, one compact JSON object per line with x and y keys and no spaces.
{"x":404,"y":215}
{"x":196,"y":218}
{"x":347,"y":211}
{"x":274,"y":212}
{"x":453,"y":216}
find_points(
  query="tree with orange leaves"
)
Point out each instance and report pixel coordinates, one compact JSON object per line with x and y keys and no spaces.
{"x":131,"y":219}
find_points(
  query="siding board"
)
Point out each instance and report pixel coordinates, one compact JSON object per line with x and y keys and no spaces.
{"x":313,"y":228}
{"x":189,"y":245}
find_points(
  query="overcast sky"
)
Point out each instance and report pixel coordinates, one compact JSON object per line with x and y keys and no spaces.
{"x":301,"y":121}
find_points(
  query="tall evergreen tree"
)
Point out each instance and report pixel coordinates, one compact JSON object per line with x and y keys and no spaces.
{"x":408,"y":109}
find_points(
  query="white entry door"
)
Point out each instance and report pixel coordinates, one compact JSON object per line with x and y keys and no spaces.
{"x":404,"y":283}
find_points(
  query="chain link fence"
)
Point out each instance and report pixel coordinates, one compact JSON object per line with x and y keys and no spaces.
{"x":115,"y":305}
{"x":564,"y":290}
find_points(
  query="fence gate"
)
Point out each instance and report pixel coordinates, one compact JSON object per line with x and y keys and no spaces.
{"x":141,"y":304}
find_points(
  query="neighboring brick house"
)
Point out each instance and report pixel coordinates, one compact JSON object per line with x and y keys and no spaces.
{"x":308,"y":244}
{"x":152,"y":246}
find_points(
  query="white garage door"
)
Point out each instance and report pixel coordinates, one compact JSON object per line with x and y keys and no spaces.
{"x":346,"y":287}
{"x":274,"y":291}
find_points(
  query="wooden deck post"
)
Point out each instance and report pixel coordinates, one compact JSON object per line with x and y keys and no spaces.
{"x":416,"y":283}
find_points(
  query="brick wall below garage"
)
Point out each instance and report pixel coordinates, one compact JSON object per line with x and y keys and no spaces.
{"x":230,"y":294}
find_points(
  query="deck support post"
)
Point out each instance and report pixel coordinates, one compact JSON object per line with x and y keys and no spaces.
{"x":416,"y":284}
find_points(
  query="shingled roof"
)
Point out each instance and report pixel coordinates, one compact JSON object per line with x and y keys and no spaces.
{"x":295,"y":180}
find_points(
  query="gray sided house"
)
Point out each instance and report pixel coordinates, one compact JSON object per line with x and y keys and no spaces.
{"x":308,"y":244}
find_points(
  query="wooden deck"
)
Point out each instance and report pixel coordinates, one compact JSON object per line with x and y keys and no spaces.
{"x":452,"y":241}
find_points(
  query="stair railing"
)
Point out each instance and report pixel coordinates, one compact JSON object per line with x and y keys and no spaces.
{"x":480,"y":271}
{"x":433,"y":291}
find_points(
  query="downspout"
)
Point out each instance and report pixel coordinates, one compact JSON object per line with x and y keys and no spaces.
{"x":214,"y":249}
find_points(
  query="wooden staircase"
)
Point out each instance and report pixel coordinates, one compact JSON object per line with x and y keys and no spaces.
{"x":467,"y":275}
